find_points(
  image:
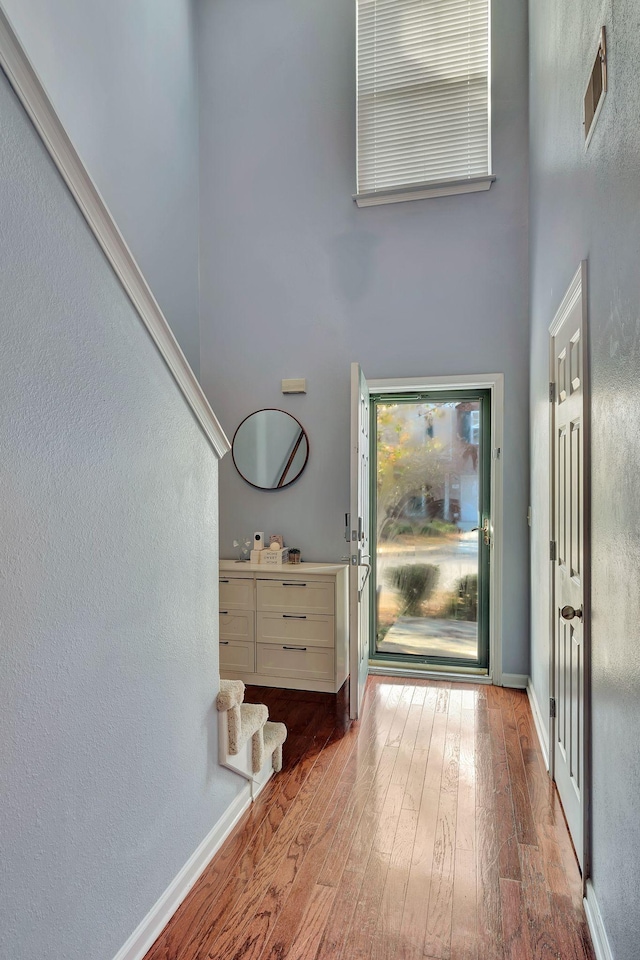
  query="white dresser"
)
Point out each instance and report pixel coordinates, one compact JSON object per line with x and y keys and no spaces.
{"x":284,"y":626}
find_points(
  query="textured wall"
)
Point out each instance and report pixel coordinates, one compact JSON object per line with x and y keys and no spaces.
{"x":586,"y":204}
{"x":122,"y":77}
{"x":297,"y":282}
{"x":108,"y":648}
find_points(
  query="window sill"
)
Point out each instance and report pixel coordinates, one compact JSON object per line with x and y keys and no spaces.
{"x":423,"y":191}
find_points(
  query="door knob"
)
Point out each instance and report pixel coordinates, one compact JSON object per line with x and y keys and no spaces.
{"x":569,"y":612}
{"x":486,"y":536}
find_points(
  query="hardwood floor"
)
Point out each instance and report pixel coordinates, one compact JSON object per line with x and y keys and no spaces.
{"x":428,"y":829}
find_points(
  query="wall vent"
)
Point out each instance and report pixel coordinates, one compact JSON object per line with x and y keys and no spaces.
{"x":596,"y":89}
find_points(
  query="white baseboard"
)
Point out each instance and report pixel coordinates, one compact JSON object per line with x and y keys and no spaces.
{"x":148,"y":931}
{"x":596,"y":926}
{"x":260,"y":781}
{"x":540,"y":725}
{"x":518,"y":681}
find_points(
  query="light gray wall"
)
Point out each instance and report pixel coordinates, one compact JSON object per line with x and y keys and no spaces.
{"x":586,"y":204}
{"x":108,"y":648}
{"x":297,"y":282}
{"x":122,"y":77}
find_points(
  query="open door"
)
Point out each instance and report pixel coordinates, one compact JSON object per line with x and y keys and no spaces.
{"x":360,"y":560}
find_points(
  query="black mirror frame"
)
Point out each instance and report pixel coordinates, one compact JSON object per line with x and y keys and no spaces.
{"x":304,"y":434}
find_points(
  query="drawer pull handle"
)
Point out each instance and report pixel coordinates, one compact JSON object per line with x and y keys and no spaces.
{"x":224,"y":613}
{"x":302,"y":649}
{"x":225,"y":643}
{"x":294,"y":616}
{"x":223,"y":581}
{"x":296,"y":584}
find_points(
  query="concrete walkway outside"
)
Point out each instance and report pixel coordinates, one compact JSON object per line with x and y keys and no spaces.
{"x":428,"y":637}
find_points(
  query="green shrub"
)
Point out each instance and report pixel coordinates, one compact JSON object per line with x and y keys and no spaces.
{"x":443,"y":526}
{"x":437,"y":528}
{"x":391,"y":530}
{"x":416,"y":582}
{"x":464,"y":598}
{"x":429,"y":530}
{"x":402,"y":529}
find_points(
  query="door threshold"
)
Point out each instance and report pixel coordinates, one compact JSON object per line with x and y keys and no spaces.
{"x":465,"y":675}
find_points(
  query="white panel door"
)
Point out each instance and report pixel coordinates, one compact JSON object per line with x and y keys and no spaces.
{"x":360,"y":560}
{"x":567,"y":344}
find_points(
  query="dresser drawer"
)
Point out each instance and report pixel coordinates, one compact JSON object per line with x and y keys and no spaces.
{"x":236,"y":594}
{"x":237,"y":655}
{"x":303,"y":629}
{"x":236,"y":625}
{"x":283,"y":660}
{"x":296,"y":596}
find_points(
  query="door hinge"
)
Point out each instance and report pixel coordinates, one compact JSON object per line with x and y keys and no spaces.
{"x":552,"y":393}
{"x":552,"y":707}
{"x":553,"y":552}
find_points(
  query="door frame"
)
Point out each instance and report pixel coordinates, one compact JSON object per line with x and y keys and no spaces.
{"x":577,"y":289}
{"x":495,"y":383}
{"x":479,"y":665}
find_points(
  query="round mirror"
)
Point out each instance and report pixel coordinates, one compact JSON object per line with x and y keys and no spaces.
{"x":270,"y":449}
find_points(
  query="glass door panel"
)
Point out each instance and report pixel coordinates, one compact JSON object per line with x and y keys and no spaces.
{"x":431,"y":489}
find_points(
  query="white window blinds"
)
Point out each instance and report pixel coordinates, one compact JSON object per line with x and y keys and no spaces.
{"x":423,"y":92}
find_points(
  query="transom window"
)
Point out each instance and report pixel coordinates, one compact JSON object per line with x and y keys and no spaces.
{"x":422,"y":98}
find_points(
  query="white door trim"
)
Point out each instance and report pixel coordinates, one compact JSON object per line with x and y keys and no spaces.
{"x":23,"y":78}
{"x":495,"y":383}
{"x":577,"y":288}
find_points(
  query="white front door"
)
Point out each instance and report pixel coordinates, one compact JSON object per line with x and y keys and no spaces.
{"x":359,"y":560}
{"x":568,"y":675}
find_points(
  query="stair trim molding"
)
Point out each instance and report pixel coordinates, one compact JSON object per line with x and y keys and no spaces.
{"x":30,"y":91}
{"x":597,"y":929}
{"x":148,"y":931}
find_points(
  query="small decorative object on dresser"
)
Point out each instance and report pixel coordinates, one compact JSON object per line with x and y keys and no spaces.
{"x":294,"y":555}
{"x":275,"y":556}
{"x":284,"y":628}
{"x":243,"y":546}
{"x":276,"y":538}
